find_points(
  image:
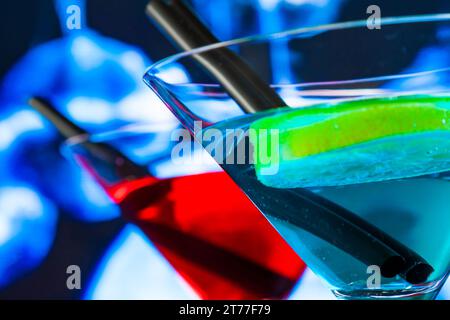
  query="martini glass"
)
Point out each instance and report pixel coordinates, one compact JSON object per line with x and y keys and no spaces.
{"x":217,"y":241}
{"x":354,"y":169}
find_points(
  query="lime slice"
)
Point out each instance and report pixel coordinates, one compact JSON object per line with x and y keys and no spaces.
{"x":353,"y":142}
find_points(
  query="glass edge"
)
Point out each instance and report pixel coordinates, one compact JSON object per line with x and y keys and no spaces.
{"x":109,"y":135}
{"x":296,"y":31}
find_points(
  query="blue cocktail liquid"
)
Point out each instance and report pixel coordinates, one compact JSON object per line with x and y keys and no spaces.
{"x":415,"y":211}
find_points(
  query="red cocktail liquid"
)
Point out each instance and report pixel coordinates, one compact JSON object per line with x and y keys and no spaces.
{"x":203,"y":224}
{"x":206,"y":228}
{"x":212,"y":235}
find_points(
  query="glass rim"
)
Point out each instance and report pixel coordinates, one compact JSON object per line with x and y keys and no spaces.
{"x":388,"y":21}
{"x":131,"y":130}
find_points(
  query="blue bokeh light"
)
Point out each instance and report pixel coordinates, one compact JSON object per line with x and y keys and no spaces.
{"x":133,"y":268}
{"x":27,"y":228}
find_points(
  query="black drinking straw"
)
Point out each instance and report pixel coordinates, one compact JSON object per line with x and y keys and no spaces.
{"x":344,"y":229}
{"x":189,"y":33}
{"x":126,"y":169}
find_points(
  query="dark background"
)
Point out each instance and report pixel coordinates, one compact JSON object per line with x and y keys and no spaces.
{"x":25,"y":24}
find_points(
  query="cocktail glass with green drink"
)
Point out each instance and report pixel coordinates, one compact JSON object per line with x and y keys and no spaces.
{"x":353,"y":168}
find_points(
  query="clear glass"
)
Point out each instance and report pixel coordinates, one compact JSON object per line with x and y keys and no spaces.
{"x":368,"y":210}
{"x":221,"y":246}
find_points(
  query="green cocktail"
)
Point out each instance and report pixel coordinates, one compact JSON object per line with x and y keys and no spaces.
{"x":353,"y":168}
